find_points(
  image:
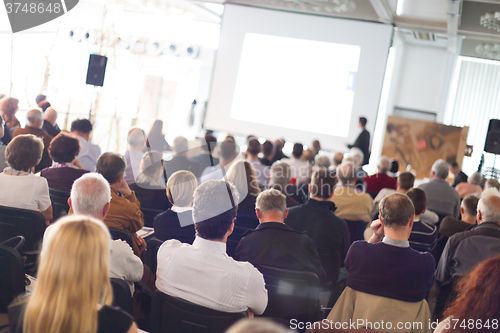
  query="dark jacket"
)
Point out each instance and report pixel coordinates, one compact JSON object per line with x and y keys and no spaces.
{"x":276,"y":244}
{"x":204,"y":161}
{"x":363,"y":143}
{"x":62,"y":179}
{"x":182,"y":163}
{"x":52,"y":130}
{"x":460,"y":178}
{"x":167,"y":225}
{"x":151,"y":197}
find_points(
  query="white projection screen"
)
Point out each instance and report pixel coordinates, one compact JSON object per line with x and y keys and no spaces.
{"x":296,"y":76}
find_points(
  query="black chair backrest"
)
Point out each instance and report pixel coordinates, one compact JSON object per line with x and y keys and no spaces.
{"x":11,"y":276}
{"x":149,"y":215}
{"x":291,"y":294}
{"x":331,"y":264}
{"x":356,"y":230}
{"x":22,"y":222}
{"x":151,"y":258}
{"x":59,"y":201}
{"x":124,"y":235}
{"x":174,"y":315}
{"x":234,"y":238}
{"x":16,"y":242}
{"x":122,"y":297}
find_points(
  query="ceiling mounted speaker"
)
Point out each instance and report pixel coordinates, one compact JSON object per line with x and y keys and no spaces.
{"x":75,"y":35}
{"x":154,"y":48}
{"x":138,"y":46}
{"x":171,"y":50}
{"x":89,"y":36}
{"x":122,"y":43}
{"x":190,"y":51}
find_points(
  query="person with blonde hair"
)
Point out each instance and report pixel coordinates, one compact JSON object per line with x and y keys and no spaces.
{"x":73,"y":292}
{"x":177,"y":222}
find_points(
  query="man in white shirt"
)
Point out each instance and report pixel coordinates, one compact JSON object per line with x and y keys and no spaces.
{"x":301,"y":170}
{"x":88,"y":152}
{"x":133,"y":156}
{"x":203,"y":273}
{"x":228,"y":155}
{"x":261,"y":171}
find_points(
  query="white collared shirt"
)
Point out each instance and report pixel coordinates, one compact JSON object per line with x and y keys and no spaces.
{"x":88,"y":154}
{"x":204,"y":274}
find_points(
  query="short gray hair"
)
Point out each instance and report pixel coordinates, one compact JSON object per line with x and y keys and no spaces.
{"x":489,"y":206}
{"x":136,"y":137}
{"x":322,"y":161}
{"x":212,"y":198}
{"x":396,"y":210}
{"x":358,"y":156}
{"x":476,"y":178}
{"x":384,"y":165}
{"x":347,"y":173}
{"x":34,"y":116}
{"x":280,"y":174}
{"x":271,"y":200}
{"x":180,"y":145}
{"x":441,"y":169}
{"x":89,"y":194}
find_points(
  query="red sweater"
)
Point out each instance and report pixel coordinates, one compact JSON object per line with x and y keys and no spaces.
{"x":378,"y":181}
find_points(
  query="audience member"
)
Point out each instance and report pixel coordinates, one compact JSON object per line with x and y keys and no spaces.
{"x":300,"y":169}
{"x":317,"y":219}
{"x":21,"y":188}
{"x":34,"y":126}
{"x":40,"y":98}
{"x":156,"y":138}
{"x":278,"y":148}
{"x":228,"y":154}
{"x":492,"y":183}
{"x":49,"y":124}
{"x":149,"y":186}
{"x":180,"y":161}
{"x":321,"y":162}
{"x":3,"y":161}
{"x":257,"y":325}
{"x":356,"y":156}
{"x":136,"y":140}
{"x":460,"y":176}
{"x":261,"y":171}
{"x":275,"y":244}
{"x":477,"y":301}
{"x":337,"y":160}
{"x":73,"y":292}
{"x":362,"y":141}
{"x":441,"y":197}
{"x":89,"y":153}
{"x":268,"y":153}
{"x":380,"y":180}
{"x":316,"y":147}
{"x":468,"y":211}
{"x":196,"y":272}
{"x":466,"y":249}
{"x":472,"y":186}
{"x":206,"y":158}
{"x":44,"y":105}
{"x":280,"y":175}
{"x":9,"y":107}
{"x":177,"y":222}
{"x":125,"y":210}
{"x":423,"y":235}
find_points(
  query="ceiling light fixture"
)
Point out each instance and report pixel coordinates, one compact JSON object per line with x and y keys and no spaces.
{"x":489,"y":50}
{"x":491,"y":21}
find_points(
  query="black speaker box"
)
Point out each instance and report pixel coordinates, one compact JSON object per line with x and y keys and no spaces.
{"x":96,"y":70}
{"x":492,"y":144}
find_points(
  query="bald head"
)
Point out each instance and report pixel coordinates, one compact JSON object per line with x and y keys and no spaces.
{"x":396,"y":211}
{"x":346,"y":173}
{"x":337,"y":158}
{"x":35,"y":118}
{"x":488,"y":209}
{"x":50,"y":116}
{"x":384,"y":165}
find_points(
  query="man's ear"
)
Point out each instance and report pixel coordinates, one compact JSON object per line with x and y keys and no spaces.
{"x":425,"y":209}
{"x":462,"y":211}
{"x":285,"y":213}
{"x":258,"y":213}
{"x":69,"y":203}
{"x":231,"y":227}
{"x":479,"y":217}
{"x":412,"y":219}
{"x":105,"y":210}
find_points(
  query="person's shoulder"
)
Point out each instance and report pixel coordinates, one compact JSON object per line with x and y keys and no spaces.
{"x":173,"y":245}
{"x":114,"y":319}
{"x":118,"y":245}
{"x":424,"y":258}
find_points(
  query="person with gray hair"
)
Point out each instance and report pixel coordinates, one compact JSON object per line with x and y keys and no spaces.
{"x":180,"y":161}
{"x":472,"y":186}
{"x":275,"y":244}
{"x":280,"y":175}
{"x":49,"y":124}
{"x":321,"y":161}
{"x":203,"y":273}
{"x":375,"y":183}
{"x":441,"y":197}
{"x":136,"y":140}
{"x":466,"y":249}
{"x":34,"y":126}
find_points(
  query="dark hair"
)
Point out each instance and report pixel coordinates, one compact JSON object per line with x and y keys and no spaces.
{"x":454,"y":164}
{"x":363,"y":121}
{"x":419,"y":200}
{"x":298,"y":149}
{"x":323,"y":183}
{"x":478,"y":294}
{"x":40,"y":98}
{"x":209,"y":142}
{"x":394,"y":166}
{"x":44,"y":105}
{"x":24,"y":152}
{"x":267,"y":148}
{"x":493,"y":183}
{"x":406,"y":180}
{"x":81,"y":125}
{"x":396,"y":210}
{"x":9,"y":106}
{"x":111,"y":166}
{"x":227,"y":150}
{"x":253,"y":147}
{"x":64,"y":148}
{"x":470,"y":204}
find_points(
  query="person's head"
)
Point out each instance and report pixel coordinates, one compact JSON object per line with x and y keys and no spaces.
{"x":40,"y":98}
{"x":478,"y":294}
{"x":64,"y":148}
{"x":488,"y":209}
{"x":209,"y":143}
{"x":347,"y":174}
{"x":180,"y":145}
{"x":111,"y":166}
{"x":44,"y":105}
{"x":253,"y":148}
{"x":298,"y":149}
{"x":468,"y":208}
{"x":136,"y":139}
{"x":316,"y":146}
{"x":338,"y":158}
{"x":492,"y":183}
{"x":214,"y":209}
{"x":35,"y":118}
{"x":384,"y":165}
{"x":72,"y":278}
{"x":228,"y":151}
{"x":268,"y":149}
{"x":418,"y":199}
{"x":230,"y":138}
{"x":242,"y":175}
{"x":406,"y":180}
{"x":257,"y":325}
{"x":1,"y":127}
{"x":362,"y":122}
{"x":156,"y":129}
{"x":180,"y":188}
{"x":280,"y":174}
{"x":397,"y":213}
{"x":322,"y":161}
{"x":454,"y":168}
{"x":82,"y":127}
{"x":308,"y":155}
{"x":9,"y":106}
{"x":476,"y":179}
{"x":394,"y":166}
{"x":50,"y":116}
{"x":322,"y":184}
{"x":278,"y":146}
{"x":151,"y":165}
{"x":440,"y":169}
{"x":357,"y":155}
{"x":24,"y":152}
{"x":270,"y":206}
{"x":90,"y":195}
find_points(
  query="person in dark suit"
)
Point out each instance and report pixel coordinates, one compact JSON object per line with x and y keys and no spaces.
{"x":180,"y":161}
{"x":460,"y":176}
{"x":206,"y":158}
{"x":363,"y":140}
{"x":275,"y":244}
{"x":49,"y":122}
{"x":268,"y":152}
{"x":177,"y":222}
{"x":316,"y":218}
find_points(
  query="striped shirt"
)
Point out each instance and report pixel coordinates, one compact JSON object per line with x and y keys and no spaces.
{"x":423,"y":236}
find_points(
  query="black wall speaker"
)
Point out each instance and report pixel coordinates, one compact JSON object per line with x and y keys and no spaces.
{"x":96,"y":70}
{"x":492,"y":144}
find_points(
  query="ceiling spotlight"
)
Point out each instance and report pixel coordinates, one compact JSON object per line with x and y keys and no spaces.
{"x":171,"y":49}
{"x":154,"y":48}
{"x":190,"y":51}
{"x":75,"y":35}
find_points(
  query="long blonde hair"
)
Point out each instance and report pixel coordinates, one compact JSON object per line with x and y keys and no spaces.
{"x":73,"y":281}
{"x":242,"y":175}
